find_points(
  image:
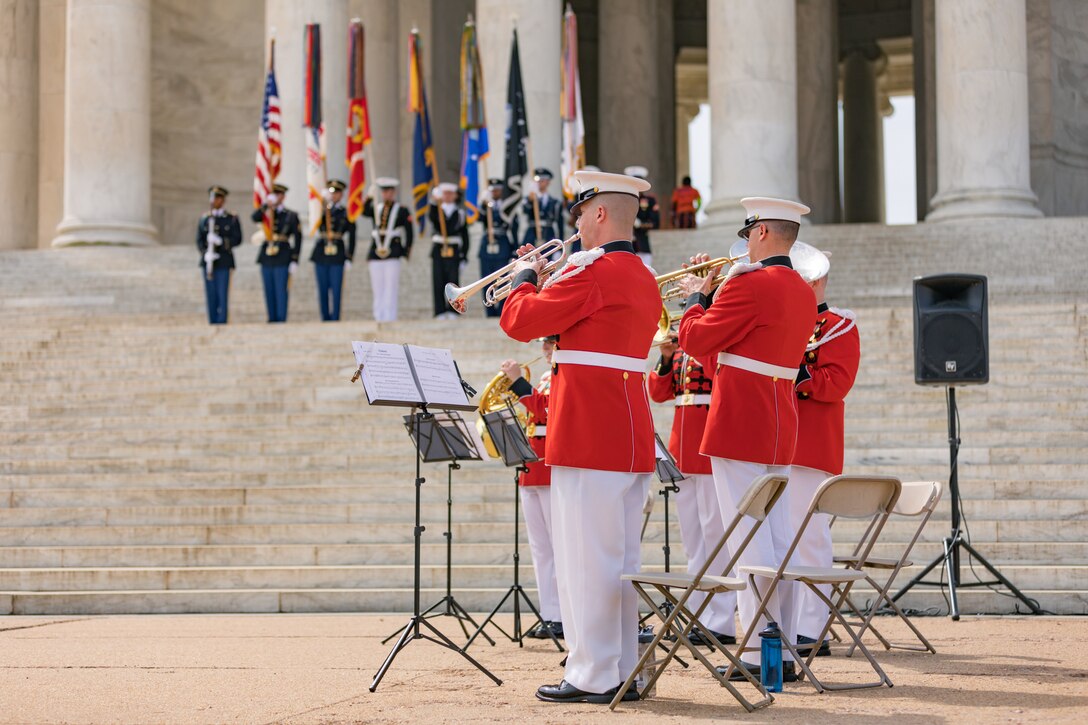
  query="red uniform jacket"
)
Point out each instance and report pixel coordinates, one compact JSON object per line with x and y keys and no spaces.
{"x":536,"y":403}
{"x":605,"y":301}
{"x":826,"y":376}
{"x":684,"y":376}
{"x":766,"y":315}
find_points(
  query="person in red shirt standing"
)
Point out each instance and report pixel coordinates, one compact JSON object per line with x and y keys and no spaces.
{"x":535,"y":488}
{"x":755,"y":332}
{"x":604,"y":306}
{"x":685,"y":203}
{"x":827,"y":373}
{"x":681,"y":379}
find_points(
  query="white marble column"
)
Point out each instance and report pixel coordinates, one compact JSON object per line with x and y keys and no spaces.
{"x":384,"y":60}
{"x":107,"y":124}
{"x":289,"y":19}
{"x":539,"y":24}
{"x":983,"y":154}
{"x":863,"y":136}
{"x":19,"y":123}
{"x":685,"y":114}
{"x":752,"y":67}
{"x":51,"y":43}
{"x":817,"y":108}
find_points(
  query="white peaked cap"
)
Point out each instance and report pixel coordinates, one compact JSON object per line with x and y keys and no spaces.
{"x":442,"y":188}
{"x":386,"y":182}
{"x":639,"y":171}
{"x":592,"y":183}
{"x":764,"y":208}
{"x":809,"y":262}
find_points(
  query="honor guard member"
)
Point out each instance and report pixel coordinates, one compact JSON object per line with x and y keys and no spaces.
{"x":648,"y":217}
{"x":549,"y":207}
{"x":826,"y":375}
{"x":333,"y":252}
{"x":604,"y":306}
{"x":449,"y":248}
{"x":681,"y":380}
{"x":496,"y":248}
{"x":685,"y":204}
{"x":535,"y":488}
{"x":752,"y":335}
{"x":217,"y":234}
{"x":391,"y":242}
{"x":279,"y":255}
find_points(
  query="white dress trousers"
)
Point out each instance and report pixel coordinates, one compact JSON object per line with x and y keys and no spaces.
{"x":767,"y":548}
{"x":701,"y":528}
{"x":814,"y":549}
{"x":536,"y":505}
{"x":596,"y":523}
{"x":385,"y":283}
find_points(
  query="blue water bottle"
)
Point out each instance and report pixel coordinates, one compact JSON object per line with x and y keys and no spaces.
{"x":770,"y":655}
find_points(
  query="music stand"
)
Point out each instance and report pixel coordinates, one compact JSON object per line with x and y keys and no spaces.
{"x":458,"y":445}
{"x":514,"y":449}
{"x":430,"y":439}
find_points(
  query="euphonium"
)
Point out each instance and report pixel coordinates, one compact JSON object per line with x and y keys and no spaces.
{"x":497,"y":395}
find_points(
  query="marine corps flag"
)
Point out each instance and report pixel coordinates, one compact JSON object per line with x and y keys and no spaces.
{"x":358,"y":121}
{"x":424,"y":173}
{"x":315,"y":128}
{"x":516,"y":166}
{"x":570,"y":101}
{"x":474,"y":145}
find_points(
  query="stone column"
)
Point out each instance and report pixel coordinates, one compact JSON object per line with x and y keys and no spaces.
{"x":685,"y":114}
{"x":983,"y":155}
{"x":540,"y":24}
{"x":752,"y":67}
{"x":863,"y":137}
{"x":107,"y":124}
{"x":384,"y":59}
{"x":288,"y":18}
{"x":817,"y":108}
{"x":51,"y":39}
{"x":19,"y":123}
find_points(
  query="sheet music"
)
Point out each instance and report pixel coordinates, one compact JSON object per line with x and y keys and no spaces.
{"x":438,"y":376}
{"x":386,"y":374}
{"x":659,"y":452}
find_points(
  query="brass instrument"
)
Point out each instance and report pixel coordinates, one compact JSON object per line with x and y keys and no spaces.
{"x":497,"y":395}
{"x":498,"y":285}
{"x":669,"y":284}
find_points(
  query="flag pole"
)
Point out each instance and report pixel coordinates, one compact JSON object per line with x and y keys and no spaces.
{"x":529,"y":163}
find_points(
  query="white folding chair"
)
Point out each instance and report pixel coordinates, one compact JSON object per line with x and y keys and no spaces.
{"x":869,"y":498}
{"x":677,"y":587}
{"x":918,"y":499}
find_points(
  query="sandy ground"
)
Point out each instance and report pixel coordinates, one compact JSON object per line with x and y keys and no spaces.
{"x":317,"y":669}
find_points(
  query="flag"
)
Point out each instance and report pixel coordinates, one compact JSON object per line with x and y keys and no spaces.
{"x":516,"y":166}
{"x":358,"y":122}
{"x":269,"y":151}
{"x":570,"y":100}
{"x":424,"y":171}
{"x":315,"y":128}
{"x":474,"y":145}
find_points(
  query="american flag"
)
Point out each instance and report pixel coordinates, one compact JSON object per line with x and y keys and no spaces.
{"x":268,"y":140}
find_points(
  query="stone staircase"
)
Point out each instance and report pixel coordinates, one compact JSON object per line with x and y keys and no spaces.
{"x":152,"y":463}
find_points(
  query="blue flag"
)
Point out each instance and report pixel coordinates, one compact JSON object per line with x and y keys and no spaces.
{"x":423,"y":160}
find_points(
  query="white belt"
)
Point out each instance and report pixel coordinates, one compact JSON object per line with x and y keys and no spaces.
{"x":692,"y":399}
{"x":452,"y":241}
{"x":540,"y":431}
{"x":600,"y":360}
{"x":756,"y":366}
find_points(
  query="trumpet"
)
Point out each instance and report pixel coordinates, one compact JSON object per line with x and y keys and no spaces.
{"x":669,"y":284}
{"x":498,"y":285}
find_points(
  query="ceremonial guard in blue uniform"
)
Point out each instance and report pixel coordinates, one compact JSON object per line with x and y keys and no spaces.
{"x":549,"y":207}
{"x":449,"y":248}
{"x":279,"y":254}
{"x":217,"y":234}
{"x":333,"y":251}
{"x":496,"y":248}
{"x":648,"y":217}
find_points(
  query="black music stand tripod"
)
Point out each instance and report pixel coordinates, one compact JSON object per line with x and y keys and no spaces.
{"x":514,"y":448}
{"x":430,"y":438}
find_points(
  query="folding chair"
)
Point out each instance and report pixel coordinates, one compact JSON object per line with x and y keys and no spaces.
{"x":757,"y":502}
{"x":851,"y":497}
{"x":917,"y":500}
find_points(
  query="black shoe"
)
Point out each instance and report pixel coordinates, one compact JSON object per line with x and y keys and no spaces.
{"x":824,"y":651}
{"x":566,"y":692}
{"x":698,"y":637}
{"x":789,"y":674}
{"x":556,"y":628}
{"x":536,"y":631}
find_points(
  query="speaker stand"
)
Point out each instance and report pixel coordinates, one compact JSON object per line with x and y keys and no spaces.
{"x":950,"y":559}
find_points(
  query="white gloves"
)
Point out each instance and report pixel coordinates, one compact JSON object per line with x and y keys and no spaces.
{"x":292,"y":268}
{"x":214,"y":239}
{"x":347,"y":264}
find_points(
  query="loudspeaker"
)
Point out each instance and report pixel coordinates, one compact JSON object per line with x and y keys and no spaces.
{"x":951,"y":333}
